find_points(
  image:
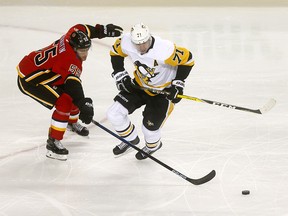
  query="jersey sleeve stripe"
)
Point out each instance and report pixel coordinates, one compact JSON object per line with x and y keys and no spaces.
{"x":73,"y":78}
{"x":189,"y":63}
{"x":117,"y":49}
{"x":88,"y":31}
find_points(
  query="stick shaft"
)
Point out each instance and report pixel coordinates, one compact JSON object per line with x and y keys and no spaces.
{"x":202,"y":180}
{"x":229,"y":106}
{"x":140,"y":150}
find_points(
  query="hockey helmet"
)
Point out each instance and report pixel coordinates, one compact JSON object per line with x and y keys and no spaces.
{"x":79,"y":40}
{"x":140,"y":33}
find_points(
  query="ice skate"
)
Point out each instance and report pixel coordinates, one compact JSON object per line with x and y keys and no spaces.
{"x":148,"y":150}
{"x":56,"y":150}
{"x":124,"y":148}
{"x":78,"y":128}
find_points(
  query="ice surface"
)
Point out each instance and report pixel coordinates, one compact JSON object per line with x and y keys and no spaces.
{"x":241,"y":57}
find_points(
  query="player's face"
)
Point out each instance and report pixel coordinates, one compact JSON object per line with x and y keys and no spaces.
{"x":143,"y":48}
{"x":82,"y":53}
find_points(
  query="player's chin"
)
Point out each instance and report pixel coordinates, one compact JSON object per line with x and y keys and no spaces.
{"x":142,"y":51}
{"x":83,"y":58}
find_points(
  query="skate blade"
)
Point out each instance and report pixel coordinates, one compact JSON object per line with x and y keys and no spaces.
{"x":124,"y":153}
{"x":52,"y":155}
{"x":140,"y":156}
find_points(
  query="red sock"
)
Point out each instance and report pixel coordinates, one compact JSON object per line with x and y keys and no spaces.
{"x":74,"y":114}
{"x":60,"y":117}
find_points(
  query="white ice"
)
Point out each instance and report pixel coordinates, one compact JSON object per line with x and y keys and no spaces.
{"x":241,"y":57}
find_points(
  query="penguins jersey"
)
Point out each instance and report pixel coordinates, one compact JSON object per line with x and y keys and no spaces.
{"x":156,"y":68}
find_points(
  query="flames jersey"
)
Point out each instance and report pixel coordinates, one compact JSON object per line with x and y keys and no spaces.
{"x":156,"y":68}
{"x":54,"y":63}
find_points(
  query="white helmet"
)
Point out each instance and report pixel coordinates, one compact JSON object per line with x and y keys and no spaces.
{"x":140,"y":33}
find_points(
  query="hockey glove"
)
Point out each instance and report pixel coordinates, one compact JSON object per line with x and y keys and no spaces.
{"x":86,"y":110}
{"x":176,"y":88}
{"x":109,"y":30}
{"x":123,"y":81}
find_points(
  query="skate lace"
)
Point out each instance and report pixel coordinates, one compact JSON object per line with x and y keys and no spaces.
{"x":122,"y":145}
{"x":148,"y":150}
{"x":59,"y":144}
{"x":77,"y":127}
{"x":151,"y":150}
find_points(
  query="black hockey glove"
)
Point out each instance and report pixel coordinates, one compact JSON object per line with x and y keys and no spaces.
{"x":123,"y":81}
{"x":86,"y":110}
{"x":109,"y":30}
{"x":176,"y":88}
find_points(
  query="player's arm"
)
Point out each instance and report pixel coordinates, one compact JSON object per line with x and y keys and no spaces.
{"x":117,"y":56}
{"x":120,"y":75}
{"x":73,"y":87}
{"x":99,"y":31}
{"x":182,"y":58}
{"x":184,"y":70}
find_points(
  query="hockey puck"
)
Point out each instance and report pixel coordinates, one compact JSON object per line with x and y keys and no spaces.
{"x":245,"y":192}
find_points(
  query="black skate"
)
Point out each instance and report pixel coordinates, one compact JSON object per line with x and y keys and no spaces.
{"x":56,"y":150}
{"x":148,"y":150}
{"x":78,"y":128}
{"x":125,"y":148}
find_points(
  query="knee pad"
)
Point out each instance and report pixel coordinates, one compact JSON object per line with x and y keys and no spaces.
{"x":64,"y":103}
{"x":118,"y":116}
{"x":151,"y":136}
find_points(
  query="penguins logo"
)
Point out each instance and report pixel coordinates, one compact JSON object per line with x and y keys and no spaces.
{"x":145,"y":72}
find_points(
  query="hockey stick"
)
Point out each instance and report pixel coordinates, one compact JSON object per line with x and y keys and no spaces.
{"x":268,"y":106}
{"x":199,"y":181}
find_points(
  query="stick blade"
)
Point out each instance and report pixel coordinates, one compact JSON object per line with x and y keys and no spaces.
{"x":204,"y":179}
{"x":268,"y":106}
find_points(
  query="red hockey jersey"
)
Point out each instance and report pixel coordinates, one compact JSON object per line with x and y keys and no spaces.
{"x":54,"y":63}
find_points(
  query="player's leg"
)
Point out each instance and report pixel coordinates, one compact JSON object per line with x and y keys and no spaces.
{"x":157,"y":110}
{"x":73,"y":123}
{"x":49,"y":97}
{"x":46,"y":96}
{"x":59,"y":122}
{"x":117,"y":114}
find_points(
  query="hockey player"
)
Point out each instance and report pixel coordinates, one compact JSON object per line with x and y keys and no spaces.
{"x":51,"y":76}
{"x":160,"y":65}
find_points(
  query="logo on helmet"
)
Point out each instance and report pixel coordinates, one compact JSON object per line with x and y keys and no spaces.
{"x":140,"y":33}
{"x":79,"y":40}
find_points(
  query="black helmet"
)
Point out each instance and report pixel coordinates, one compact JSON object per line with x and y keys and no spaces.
{"x":79,"y":40}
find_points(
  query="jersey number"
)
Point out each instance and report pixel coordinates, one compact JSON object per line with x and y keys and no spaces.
{"x":177,"y":55}
{"x":43,"y":57}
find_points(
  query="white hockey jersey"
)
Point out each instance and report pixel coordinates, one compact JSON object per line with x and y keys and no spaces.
{"x":156,"y":68}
